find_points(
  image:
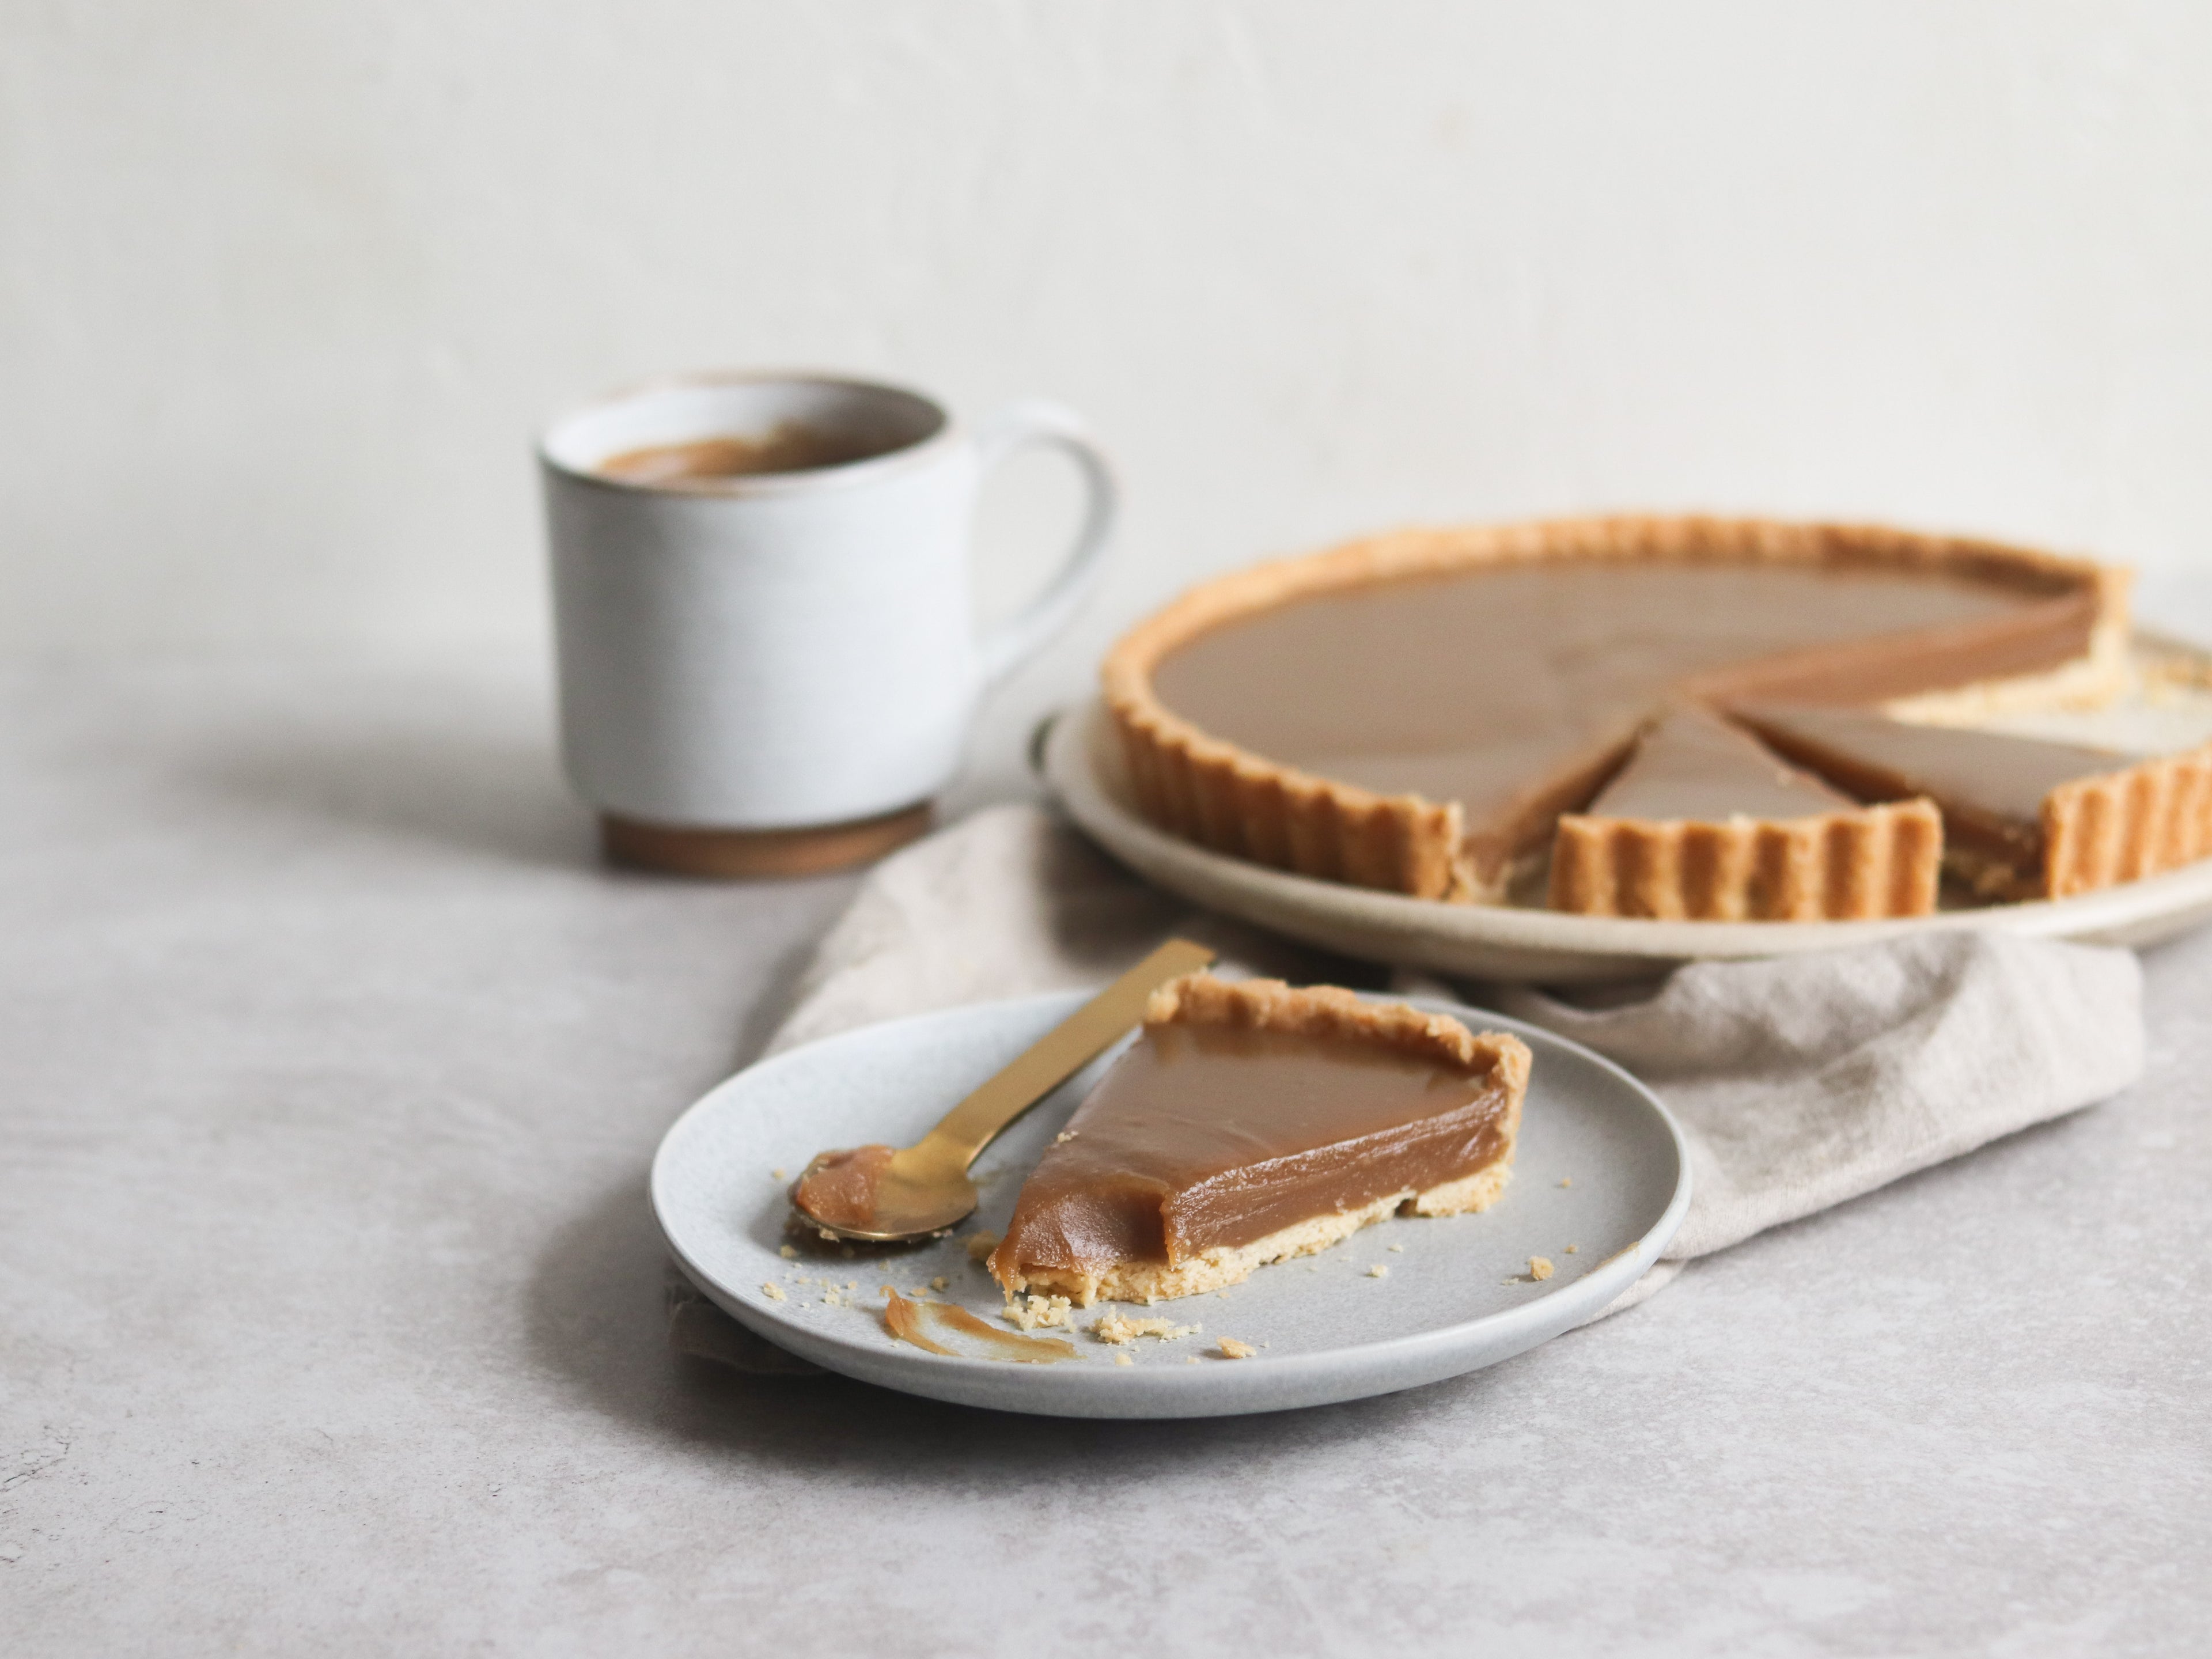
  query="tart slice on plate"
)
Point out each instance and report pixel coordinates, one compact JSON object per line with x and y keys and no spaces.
{"x":2023,"y":817}
{"x":1704,"y":823}
{"x":1251,"y":1122}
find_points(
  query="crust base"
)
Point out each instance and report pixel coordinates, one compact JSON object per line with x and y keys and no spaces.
{"x":1225,"y":1264}
{"x":1876,"y":861}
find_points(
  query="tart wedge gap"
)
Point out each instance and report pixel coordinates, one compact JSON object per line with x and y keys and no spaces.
{"x":1251,"y":1122}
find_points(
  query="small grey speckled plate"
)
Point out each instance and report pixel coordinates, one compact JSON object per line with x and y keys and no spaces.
{"x":1601,"y":1168}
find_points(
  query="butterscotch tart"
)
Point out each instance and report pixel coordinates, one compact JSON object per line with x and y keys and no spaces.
{"x":1703,"y":822}
{"x":1251,"y":1122}
{"x":1417,"y":713}
{"x":2023,"y":817}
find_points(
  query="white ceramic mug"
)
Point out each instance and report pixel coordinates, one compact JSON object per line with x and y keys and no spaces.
{"x":774,"y":652}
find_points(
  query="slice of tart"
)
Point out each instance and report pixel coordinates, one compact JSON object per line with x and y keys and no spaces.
{"x":1252,"y":1122}
{"x":1703,"y":823}
{"x":2023,"y":818}
{"x":1415,"y":712}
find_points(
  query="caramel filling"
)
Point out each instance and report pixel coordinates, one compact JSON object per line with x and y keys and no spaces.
{"x":840,"y":1187}
{"x":1515,"y":690}
{"x":1989,"y":786}
{"x":1209,"y":1135}
{"x":1693,"y":766}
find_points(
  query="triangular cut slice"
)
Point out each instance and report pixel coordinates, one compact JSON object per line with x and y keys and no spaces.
{"x":1703,"y":823}
{"x":1252,"y":1122}
{"x":2023,"y":818}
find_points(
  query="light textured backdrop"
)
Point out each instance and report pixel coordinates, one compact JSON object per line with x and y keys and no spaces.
{"x":288,"y":286}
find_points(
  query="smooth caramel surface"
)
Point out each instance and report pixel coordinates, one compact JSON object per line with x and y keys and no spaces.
{"x":1993,"y":773}
{"x":1206,"y":1135}
{"x":1694,"y":766}
{"x":1488,"y":687}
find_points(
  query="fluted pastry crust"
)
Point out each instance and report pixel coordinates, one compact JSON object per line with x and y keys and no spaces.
{"x":1847,"y":865}
{"x":2121,"y":826}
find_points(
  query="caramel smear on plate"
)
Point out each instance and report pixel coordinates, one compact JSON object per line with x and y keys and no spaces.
{"x":913,"y":1321}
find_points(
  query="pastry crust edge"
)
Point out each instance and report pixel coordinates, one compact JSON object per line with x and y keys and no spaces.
{"x":2123,"y":825}
{"x":1330,"y":1010}
{"x":1858,"y":865}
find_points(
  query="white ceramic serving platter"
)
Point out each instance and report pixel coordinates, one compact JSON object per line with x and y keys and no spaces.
{"x":1456,"y":1296}
{"x":1083,"y":766}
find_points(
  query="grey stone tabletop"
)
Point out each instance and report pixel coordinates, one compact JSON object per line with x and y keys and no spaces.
{"x":334,"y":1317}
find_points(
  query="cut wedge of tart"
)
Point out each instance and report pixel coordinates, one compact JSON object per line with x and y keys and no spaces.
{"x":2023,"y":818}
{"x":1251,"y":1122}
{"x":1703,"y":823}
{"x":1414,"y":712}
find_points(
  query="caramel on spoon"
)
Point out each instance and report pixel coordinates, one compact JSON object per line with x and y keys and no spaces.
{"x":876,"y":1194}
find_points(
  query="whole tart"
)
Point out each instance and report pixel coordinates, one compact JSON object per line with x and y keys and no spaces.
{"x":1705,"y":823}
{"x":2023,"y":817}
{"x":1415,"y":713}
{"x":1251,"y":1122}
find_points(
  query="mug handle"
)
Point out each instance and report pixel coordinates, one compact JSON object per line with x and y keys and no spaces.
{"x":1017,"y":426}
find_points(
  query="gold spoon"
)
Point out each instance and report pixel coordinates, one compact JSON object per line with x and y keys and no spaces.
{"x":876,"y":1195}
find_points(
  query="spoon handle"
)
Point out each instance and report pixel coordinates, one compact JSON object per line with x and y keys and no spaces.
{"x":1059,"y":1054}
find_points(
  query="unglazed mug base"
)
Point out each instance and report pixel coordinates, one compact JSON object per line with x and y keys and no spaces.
{"x":750,"y":854}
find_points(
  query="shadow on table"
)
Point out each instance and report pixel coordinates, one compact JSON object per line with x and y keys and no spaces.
{"x":476,"y":792}
{"x":598,"y":1320}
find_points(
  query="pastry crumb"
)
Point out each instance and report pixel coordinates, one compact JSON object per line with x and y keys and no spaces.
{"x":1398,"y":1250}
{"x":788,"y":1252}
{"x":941,"y":1281}
{"x":1566,"y":1181}
{"x":828,"y":1237}
{"x":1029,"y":1312}
{"x":1571,"y":1248}
{"x":1378,"y":1271}
{"x":1063,"y":1137}
{"x":1193,"y":1360}
{"x":774,"y":1293}
{"x":980,"y":1245}
{"x":1539,"y":1266}
{"x":1232,"y":1349}
{"x":1123,"y":1359}
{"x":1119,"y":1327}
{"x":776,"y":1174}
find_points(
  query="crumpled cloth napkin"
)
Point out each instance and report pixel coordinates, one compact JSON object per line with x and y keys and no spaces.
{"x":1800,"y":1081}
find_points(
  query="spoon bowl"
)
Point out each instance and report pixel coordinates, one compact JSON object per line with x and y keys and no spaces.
{"x":882,"y":1195}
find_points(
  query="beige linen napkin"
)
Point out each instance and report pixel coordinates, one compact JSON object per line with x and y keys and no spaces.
{"x":1800,"y":1081}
